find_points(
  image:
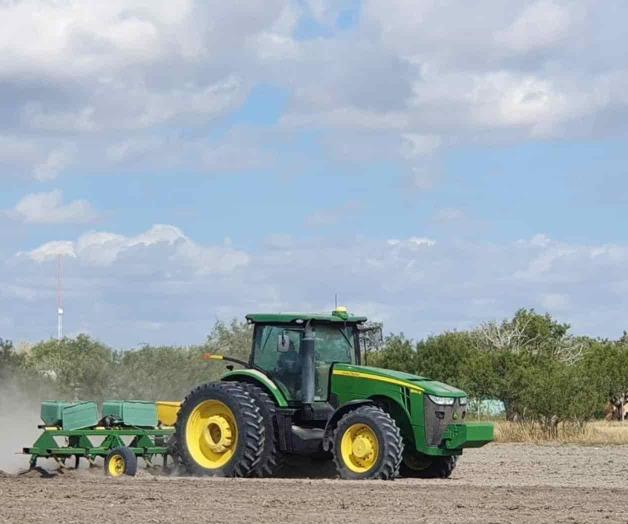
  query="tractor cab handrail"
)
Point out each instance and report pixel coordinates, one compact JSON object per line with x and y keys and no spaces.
{"x":243,"y":363}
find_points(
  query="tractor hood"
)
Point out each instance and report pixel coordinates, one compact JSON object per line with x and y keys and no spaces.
{"x":431,"y":387}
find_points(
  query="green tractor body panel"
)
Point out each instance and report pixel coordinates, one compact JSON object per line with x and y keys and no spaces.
{"x":255,"y":376}
{"x":468,"y":435}
{"x":398,"y":378}
{"x":405,"y":395}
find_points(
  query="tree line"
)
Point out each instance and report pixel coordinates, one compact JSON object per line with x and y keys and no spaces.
{"x":84,"y":368}
{"x":530,"y":362}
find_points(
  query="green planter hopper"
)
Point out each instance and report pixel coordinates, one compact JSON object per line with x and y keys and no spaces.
{"x":69,"y":415}
{"x":136,"y":413}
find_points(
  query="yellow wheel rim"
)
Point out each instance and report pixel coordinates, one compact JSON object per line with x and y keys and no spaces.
{"x":211,"y":434}
{"x":116,"y":465}
{"x":359,"y":448}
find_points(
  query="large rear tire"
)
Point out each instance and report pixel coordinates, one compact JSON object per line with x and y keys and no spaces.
{"x":272,"y":457}
{"x":220,"y":431}
{"x":367,"y":445}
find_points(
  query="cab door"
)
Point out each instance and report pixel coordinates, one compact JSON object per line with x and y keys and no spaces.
{"x":277,"y":351}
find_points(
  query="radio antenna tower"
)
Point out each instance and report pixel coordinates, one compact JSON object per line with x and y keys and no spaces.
{"x":60,"y":297}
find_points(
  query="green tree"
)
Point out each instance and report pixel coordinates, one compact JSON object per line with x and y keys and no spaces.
{"x":396,"y":353}
{"x":170,"y":372}
{"x":79,"y":367}
{"x":520,"y":351}
{"x":606,"y":364}
{"x":159,"y":372}
{"x":445,"y":357}
{"x":9,"y":359}
{"x":233,"y":339}
{"x":558,"y":392}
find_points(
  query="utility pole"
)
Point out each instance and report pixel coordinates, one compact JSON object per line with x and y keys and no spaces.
{"x":60,"y":297}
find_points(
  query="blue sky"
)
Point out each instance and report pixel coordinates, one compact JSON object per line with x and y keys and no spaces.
{"x":437,"y":166}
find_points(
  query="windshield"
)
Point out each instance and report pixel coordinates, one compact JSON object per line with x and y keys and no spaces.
{"x":278,"y":351}
{"x":334,"y":344}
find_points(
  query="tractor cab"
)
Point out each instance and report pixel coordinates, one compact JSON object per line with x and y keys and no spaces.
{"x":297,"y":351}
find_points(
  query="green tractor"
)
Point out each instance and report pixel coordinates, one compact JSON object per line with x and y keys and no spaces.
{"x":304,"y":391}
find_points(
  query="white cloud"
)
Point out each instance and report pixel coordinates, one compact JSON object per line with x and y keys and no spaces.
{"x":104,"y":249}
{"x":463,"y":73}
{"x":555,"y":302}
{"x":133,"y":148}
{"x":56,"y":161}
{"x":540,"y":25}
{"x":52,"y":250}
{"x":412,"y":242}
{"x":34,"y":116}
{"x":421,"y":241}
{"x":48,"y":208}
{"x":39,"y":157}
{"x":418,"y":284}
{"x":415,"y":145}
{"x":77,"y":74}
{"x":12,"y":148}
{"x":148,"y":86}
{"x":512,"y":101}
{"x":409,"y":78}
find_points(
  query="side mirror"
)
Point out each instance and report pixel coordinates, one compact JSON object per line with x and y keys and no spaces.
{"x":283,"y":342}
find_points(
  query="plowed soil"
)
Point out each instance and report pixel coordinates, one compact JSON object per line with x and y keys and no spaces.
{"x":498,"y":483}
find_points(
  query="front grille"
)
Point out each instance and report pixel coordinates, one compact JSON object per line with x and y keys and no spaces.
{"x":437,"y":418}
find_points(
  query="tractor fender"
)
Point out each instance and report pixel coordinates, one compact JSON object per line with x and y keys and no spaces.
{"x":258,"y":378}
{"x":338,"y":414}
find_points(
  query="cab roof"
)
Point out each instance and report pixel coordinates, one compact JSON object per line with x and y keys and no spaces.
{"x":340,"y":316}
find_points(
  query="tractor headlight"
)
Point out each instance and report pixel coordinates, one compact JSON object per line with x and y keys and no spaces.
{"x":442,"y":401}
{"x":463,"y":401}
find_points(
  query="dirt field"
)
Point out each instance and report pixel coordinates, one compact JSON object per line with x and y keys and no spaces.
{"x":499,"y":483}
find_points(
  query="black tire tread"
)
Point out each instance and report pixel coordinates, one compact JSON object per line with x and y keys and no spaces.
{"x":440,"y":467}
{"x":272,"y":457}
{"x":392,"y":445}
{"x":130,"y":460}
{"x":250,"y":429}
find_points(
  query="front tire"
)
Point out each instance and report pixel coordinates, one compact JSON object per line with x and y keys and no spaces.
{"x":367,"y":445}
{"x":418,"y":465}
{"x":220,"y":431}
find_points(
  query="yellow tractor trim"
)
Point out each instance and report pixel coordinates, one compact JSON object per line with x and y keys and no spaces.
{"x":359,"y":448}
{"x":379,"y":378}
{"x":211,"y":434}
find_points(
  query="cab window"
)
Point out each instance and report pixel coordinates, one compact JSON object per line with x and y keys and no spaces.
{"x":333,"y":344}
{"x":278,"y":352}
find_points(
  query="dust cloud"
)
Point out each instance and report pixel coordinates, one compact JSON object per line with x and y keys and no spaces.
{"x":19,"y":417}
